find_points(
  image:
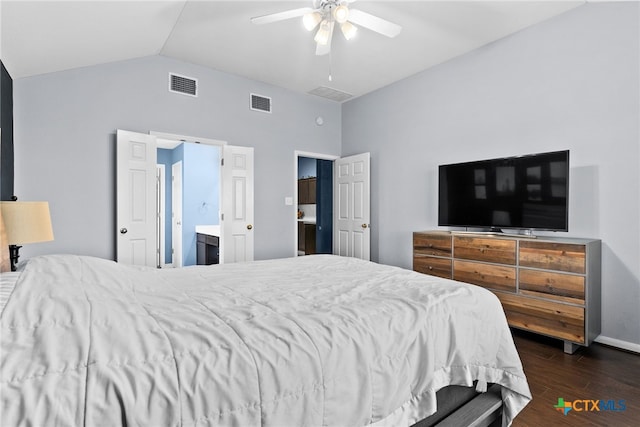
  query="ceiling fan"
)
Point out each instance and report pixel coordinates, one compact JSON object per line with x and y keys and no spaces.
{"x":326,"y":14}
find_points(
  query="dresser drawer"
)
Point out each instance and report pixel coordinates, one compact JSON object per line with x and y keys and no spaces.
{"x":486,"y":275}
{"x":553,"y":256}
{"x":432,"y":244}
{"x":440,"y":267}
{"x":555,"y":319}
{"x":546,"y":284}
{"x":500,"y":251}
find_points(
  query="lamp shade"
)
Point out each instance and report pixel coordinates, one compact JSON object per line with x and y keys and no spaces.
{"x":349,"y":30}
{"x":26,"y":222}
{"x":323,"y":34}
{"x":341,"y":14}
{"x":311,"y":20}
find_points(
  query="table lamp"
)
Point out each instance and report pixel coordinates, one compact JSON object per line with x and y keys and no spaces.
{"x":25,"y":222}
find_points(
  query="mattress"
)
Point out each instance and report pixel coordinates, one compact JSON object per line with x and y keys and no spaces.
{"x":307,"y":341}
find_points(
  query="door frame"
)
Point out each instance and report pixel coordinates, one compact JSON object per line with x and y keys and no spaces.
{"x":186,"y":138}
{"x":296,"y":155}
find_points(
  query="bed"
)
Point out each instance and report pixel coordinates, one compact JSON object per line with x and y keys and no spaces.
{"x":307,"y":341}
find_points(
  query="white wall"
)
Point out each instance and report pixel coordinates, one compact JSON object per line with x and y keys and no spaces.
{"x":568,"y":83}
{"x":65,"y":126}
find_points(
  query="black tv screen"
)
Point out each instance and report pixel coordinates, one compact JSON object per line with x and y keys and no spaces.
{"x":526,"y":192}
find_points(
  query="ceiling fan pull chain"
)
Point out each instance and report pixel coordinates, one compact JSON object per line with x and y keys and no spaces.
{"x":330,"y":77}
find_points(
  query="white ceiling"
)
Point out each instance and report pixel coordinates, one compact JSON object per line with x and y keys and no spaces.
{"x":46,"y":36}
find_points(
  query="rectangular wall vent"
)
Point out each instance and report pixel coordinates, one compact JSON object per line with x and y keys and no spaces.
{"x":260,"y":103}
{"x":182,"y":84}
{"x":330,"y":93}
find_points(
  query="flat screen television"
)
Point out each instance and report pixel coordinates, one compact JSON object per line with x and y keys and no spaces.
{"x":527,"y":192}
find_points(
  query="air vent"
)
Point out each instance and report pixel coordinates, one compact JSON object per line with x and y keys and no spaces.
{"x":260,"y":103}
{"x":182,"y":84}
{"x":329,"y":93}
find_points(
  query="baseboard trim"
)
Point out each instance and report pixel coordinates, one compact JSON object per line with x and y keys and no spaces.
{"x":624,"y":345}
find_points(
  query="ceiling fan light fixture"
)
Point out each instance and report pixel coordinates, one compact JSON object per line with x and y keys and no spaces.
{"x":311,"y":20}
{"x":322,"y":36}
{"x":349,"y":30}
{"x":341,"y":14}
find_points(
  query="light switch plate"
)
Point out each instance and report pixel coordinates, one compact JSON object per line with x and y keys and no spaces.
{"x":288,"y":201}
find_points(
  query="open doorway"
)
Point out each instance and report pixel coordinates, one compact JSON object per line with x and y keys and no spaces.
{"x":189,"y":200}
{"x":314,"y":203}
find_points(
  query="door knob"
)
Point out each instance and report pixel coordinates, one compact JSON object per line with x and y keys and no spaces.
{"x":123,"y":230}
{"x":365,"y":225}
{"x":249,"y":227}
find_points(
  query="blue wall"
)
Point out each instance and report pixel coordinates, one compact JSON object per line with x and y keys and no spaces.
{"x":200,"y":194}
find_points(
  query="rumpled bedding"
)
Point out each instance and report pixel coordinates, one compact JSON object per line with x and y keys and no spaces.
{"x":307,"y":341}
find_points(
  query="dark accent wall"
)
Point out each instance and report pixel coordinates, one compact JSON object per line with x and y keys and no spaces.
{"x":324,"y":207}
{"x":6,"y":146}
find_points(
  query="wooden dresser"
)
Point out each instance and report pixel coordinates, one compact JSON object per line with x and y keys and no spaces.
{"x":546,"y":285}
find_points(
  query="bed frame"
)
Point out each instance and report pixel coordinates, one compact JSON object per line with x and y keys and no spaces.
{"x":460,"y":406}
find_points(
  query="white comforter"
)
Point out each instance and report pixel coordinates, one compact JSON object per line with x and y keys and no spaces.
{"x":308,"y":341}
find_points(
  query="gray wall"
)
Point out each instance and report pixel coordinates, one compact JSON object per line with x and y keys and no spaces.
{"x":65,"y":127}
{"x":568,"y":83}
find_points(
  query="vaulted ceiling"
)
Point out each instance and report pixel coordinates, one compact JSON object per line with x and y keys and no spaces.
{"x":47,"y":36}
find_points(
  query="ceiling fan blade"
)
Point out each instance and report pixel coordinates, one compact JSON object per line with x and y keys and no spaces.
{"x":374,"y":23}
{"x":324,"y":49}
{"x":280,"y":16}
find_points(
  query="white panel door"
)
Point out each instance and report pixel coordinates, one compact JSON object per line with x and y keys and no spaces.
{"x":237,"y":205}
{"x":136,"y":198}
{"x":352,"y":207}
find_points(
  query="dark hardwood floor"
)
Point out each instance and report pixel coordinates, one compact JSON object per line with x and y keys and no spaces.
{"x":595,"y":373}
